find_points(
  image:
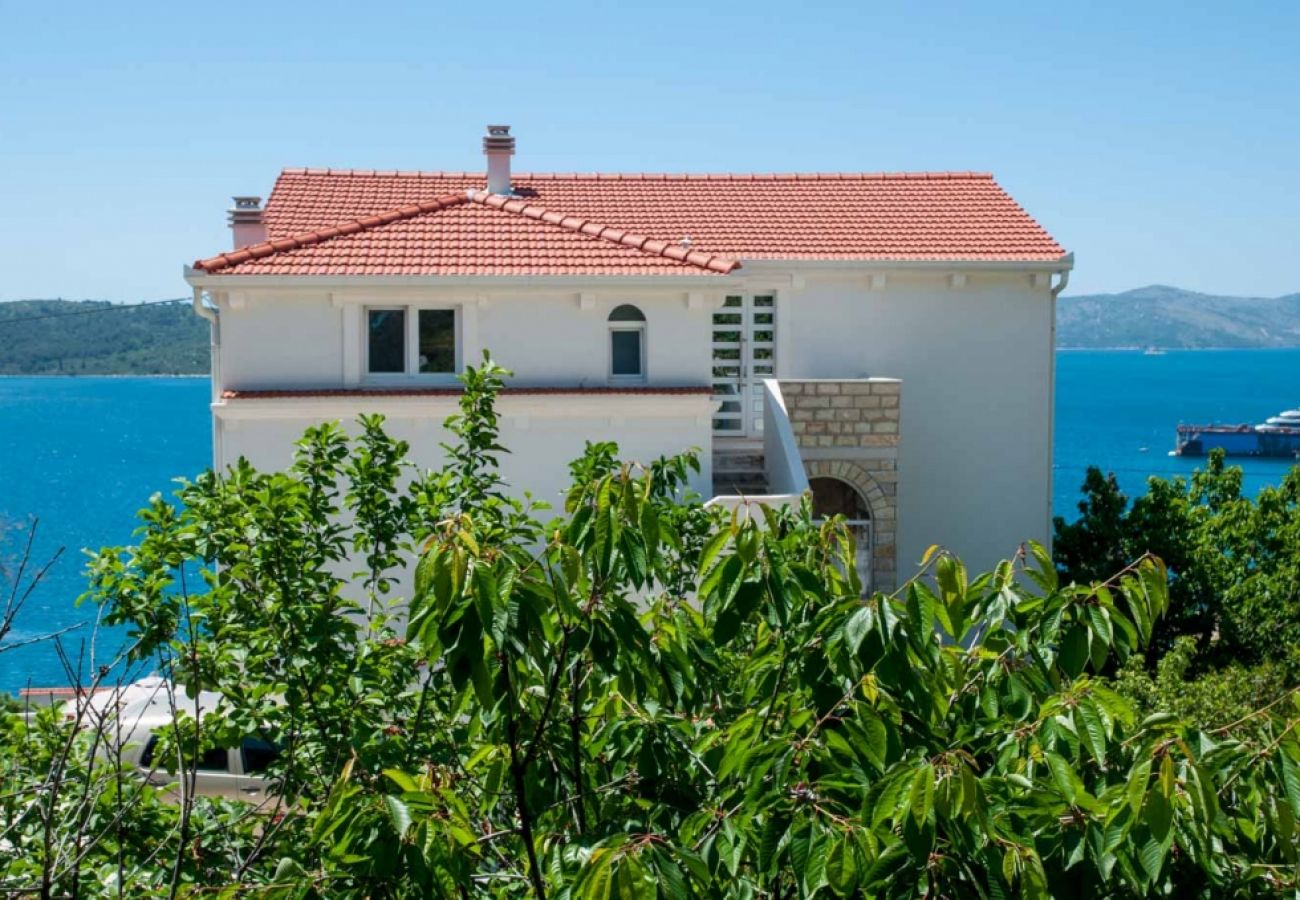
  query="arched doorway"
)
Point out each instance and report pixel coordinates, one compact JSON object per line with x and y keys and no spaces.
{"x":833,"y":497}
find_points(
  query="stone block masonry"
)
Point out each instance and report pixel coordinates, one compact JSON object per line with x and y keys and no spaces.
{"x":848,"y":429}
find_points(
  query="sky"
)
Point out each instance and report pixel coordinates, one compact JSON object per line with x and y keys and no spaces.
{"x":1160,"y":142}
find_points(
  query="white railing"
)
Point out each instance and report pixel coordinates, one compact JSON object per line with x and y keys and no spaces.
{"x":781,"y":460}
{"x":782,"y":465}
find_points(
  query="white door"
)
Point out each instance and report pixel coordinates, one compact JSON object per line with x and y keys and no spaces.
{"x":744,"y":353}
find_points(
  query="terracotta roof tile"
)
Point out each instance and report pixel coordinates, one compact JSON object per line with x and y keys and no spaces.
{"x":344,"y":221}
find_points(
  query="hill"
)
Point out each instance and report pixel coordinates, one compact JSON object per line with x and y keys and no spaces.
{"x":93,"y":337}
{"x":1160,"y":316}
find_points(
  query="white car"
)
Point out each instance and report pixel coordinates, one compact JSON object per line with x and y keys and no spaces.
{"x":237,"y":773}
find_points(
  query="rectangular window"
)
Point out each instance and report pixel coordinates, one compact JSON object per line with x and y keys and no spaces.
{"x":216,"y":759}
{"x":625,"y":354}
{"x":386,"y":329}
{"x":437,"y":350}
{"x":407,"y":340}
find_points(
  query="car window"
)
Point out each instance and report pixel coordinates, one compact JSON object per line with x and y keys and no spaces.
{"x":216,"y":759}
{"x":258,"y":755}
{"x":146,"y":758}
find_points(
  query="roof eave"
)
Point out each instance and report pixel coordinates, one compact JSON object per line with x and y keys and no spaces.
{"x":1062,"y":264}
{"x":217,"y":281}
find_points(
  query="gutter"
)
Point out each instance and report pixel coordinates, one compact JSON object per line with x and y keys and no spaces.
{"x":1051,"y":401}
{"x":205,"y":310}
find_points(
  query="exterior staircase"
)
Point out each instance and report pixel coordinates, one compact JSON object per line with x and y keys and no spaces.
{"x":738,"y":472}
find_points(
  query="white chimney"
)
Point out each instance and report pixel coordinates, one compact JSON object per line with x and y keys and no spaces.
{"x":498,"y":147}
{"x":246,"y":221}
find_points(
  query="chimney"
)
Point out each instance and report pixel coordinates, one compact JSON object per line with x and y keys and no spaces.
{"x":498,"y":147}
{"x":246,"y":221}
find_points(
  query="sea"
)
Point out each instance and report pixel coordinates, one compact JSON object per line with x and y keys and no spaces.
{"x":79,"y":456}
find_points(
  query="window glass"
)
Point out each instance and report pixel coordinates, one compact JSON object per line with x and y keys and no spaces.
{"x":437,"y":340}
{"x":387,"y":336}
{"x":625,"y":350}
{"x":146,"y":758}
{"x":216,"y":759}
{"x":258,"y":755}
{"x":626,"y":313}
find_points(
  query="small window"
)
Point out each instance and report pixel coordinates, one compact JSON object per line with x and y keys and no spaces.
{"x":405,"y":340}
{"x":626,"y":343}
{"x":387,"y":336}
{"x":626,"y":313}
{"x":258,"y":755}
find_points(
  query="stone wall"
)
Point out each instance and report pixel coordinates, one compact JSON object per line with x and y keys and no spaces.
{"x":848,"y":429}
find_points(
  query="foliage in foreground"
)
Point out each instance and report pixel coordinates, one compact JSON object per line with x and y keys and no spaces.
{"x":642,"y":697}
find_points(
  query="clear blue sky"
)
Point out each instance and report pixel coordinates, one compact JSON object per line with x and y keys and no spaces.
{"x":1158,"y":141}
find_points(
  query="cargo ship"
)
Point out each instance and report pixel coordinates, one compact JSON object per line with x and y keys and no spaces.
{"x":1276,"y":437}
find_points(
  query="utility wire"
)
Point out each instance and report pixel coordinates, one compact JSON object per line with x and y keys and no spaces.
{"x":113,"y":307}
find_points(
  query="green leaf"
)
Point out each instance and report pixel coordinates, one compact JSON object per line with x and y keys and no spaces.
{"x":841,"y":868}
{"x":1158,"y":814}
{"x":399,"y":814}
{"x":1093,"y":732}
{"x":402,"y":780}
{"x":712,"y":549}
{"x":634,"y":555}
{"x":858,"y":626}
{"x":1291,"y":782}
{"x":1074,"y":650}
{"x":921,"y":801}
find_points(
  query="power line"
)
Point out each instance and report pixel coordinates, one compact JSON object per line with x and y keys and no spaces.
{"x":113,"y":307}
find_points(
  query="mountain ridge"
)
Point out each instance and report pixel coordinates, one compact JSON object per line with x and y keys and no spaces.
{"x":1168,"y":317}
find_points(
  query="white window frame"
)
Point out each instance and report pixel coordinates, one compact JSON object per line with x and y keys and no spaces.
{"x":411,"y":354}
{"x":640,"y":329}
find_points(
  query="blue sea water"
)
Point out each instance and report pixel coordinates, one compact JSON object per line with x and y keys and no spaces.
{"x":84,"y":454}
{"x":1118,"y":410}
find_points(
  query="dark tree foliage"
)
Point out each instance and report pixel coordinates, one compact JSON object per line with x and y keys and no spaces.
{"x":93,"y":337}
{"x":1234,"y":562}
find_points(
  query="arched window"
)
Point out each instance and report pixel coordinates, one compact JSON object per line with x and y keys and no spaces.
{"x":626,"y":344}
{"x":833,"y":497}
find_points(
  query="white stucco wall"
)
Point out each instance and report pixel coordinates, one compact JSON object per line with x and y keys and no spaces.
{"x":974,"y":354}
{"x":313,"y":339}
{"x":543,"y":433}
{"x":976,"y":361}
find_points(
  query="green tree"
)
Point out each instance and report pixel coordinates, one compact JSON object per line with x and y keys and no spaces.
{"x":1234,"y":562}
{"x":643,"y":697}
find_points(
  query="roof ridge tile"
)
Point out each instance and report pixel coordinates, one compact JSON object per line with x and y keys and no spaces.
{"x":655,"y":247}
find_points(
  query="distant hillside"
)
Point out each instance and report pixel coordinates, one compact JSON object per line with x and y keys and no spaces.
{"x":1159,"y":316}
{"x":101,"y":339}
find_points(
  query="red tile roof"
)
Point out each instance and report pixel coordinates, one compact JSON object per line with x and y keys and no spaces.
{"x":399,"y":223}
{"x":705,"y":391}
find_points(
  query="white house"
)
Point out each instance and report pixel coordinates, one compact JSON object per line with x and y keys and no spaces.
{"x":886,"y":338}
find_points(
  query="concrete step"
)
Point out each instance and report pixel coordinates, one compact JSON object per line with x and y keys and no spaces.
{"x":737,"y":487}
{"x":738,"y":472}
{"x":737,"y":461}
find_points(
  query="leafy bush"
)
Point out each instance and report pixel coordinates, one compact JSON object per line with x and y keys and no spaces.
{"x":1222,"y":700}
{"x":642,"y":697}
{"x":1234,"y":562}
